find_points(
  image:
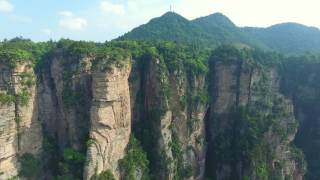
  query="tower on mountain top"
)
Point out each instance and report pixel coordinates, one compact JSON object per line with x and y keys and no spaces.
{"x":171,"y":8}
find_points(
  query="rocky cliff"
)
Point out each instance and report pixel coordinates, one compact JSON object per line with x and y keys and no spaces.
{"x":301,"y":84}
{"x":86,"y":111}
{"x":170,"y":119}
{"x":110,"y":121}
{"x":136,"y":110}
{"x":251,"y":124}
{"x":21,"y":132}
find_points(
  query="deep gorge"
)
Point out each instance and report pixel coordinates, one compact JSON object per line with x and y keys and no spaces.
{"x":156,"y":110}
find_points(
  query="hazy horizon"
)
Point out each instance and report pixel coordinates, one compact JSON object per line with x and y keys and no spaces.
{"x":101,"y":20}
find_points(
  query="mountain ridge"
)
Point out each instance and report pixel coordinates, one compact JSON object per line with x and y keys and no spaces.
{"x":217,"y":29}
{"x":157,"y":110}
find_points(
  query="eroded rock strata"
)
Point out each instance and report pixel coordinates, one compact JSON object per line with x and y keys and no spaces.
{"x":131,"y":110}
{"x":110,"y":121}
{"x":21,"y":132}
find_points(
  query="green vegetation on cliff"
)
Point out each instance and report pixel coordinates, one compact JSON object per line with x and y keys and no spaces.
{"x":301,"y":83}
{"x":135,"y":164}
{"x":12,"y":56}
{"x":174,"y":78}
{"x":244,"y":144}
{"x":31,"y":166}
{"x":21,"y":52}
{"x":105,"y":175}
{"x":71,"y":166}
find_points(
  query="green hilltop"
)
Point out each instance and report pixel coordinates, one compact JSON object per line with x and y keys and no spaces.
{"x":217,"y":29}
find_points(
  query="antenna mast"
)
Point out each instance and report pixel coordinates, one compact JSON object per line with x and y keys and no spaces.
{"x":171,"y":8}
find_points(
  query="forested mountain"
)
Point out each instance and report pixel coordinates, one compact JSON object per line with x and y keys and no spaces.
{"x":172,"y":27}
{"x":171,"y":100}
{"x":209,"y":31}
{"x":223,"y":31}
{"x":288,"y":37}
{"x":216,"y":29}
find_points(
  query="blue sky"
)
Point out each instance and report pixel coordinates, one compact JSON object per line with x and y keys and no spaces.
{"x":100,"y":20}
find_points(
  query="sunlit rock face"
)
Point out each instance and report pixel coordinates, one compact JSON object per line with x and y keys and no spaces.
{"x":20,"y":128}
{"x":110,"y":121}
{"x":232,"y":119}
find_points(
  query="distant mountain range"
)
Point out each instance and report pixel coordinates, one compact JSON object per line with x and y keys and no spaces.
{"x":216,"y":29}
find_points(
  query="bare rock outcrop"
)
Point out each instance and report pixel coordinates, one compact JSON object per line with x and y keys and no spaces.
{"x":110,"y":121}
{"x":20,"y":128}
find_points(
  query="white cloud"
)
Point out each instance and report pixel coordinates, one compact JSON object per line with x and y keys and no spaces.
{"x":6,"y":6}
{"x":74,"y":23}
{"x":71,"y":22}
{"x":110,"y":8}
{"x":47,"y":31}
{"x":66,"y":13}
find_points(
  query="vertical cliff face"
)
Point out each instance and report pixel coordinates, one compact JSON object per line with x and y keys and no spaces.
{"x":8,"y":135}
{"x":251,"y":124}
{"x":21,"y":132}
{"x":155,"y":118}
{"x":169,"y":110}
{"x":64,"y":90}
{"x":64,"y":109}
{"x":188,"y":102}
{"x":110,"y":121}
{"x":86,"y":111}
{"x":301,"y":84}
{"x":166,"y":114}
